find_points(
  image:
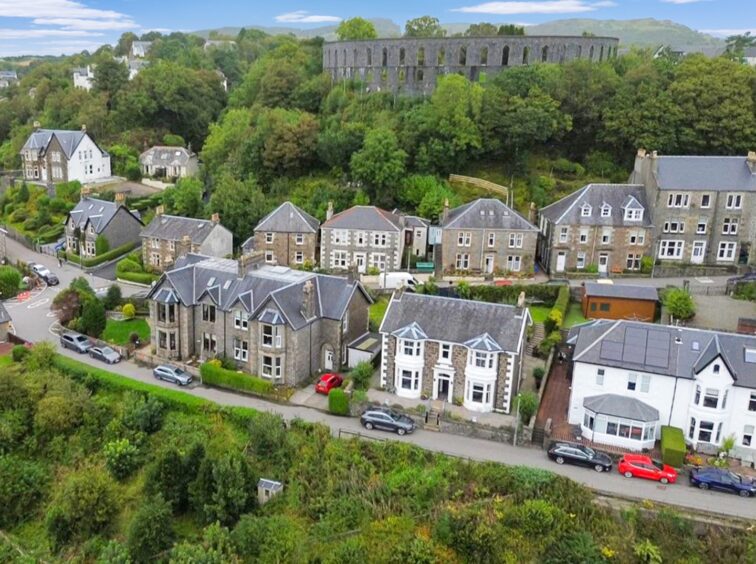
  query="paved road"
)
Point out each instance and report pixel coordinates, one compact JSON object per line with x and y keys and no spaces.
{"x":33,"y":321}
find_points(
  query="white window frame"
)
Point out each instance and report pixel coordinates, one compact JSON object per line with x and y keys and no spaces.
{"x":563,"y":234}
{"x":726,"y":251}
{"x":270,"y":257}
{"x":463,"y":261}
{"x":583,"y":236}
{"x":730,"y":225}
{"x":269,"y":237}
{"x":606,"y":210}
{"x":491,"y":240}
{"x":298,"y":257}
{"x":585,"y":210}
{"x":380,"y":240}
{"x":580,"y":261}
{"x":339,"y":259}
{"x":410,"y":347}
{"x":701,"y":227}
{"x":678,"y":200}
{"x":632,"y":214}
{"x":241,"y":349}
{"x":514,"y":263}
{"x":734,"y":201}
{"x":464,"y":239}
{"x":299,"y":239}
{"x":600,"y":373}
{"x":707,"y":198}
{"x":677,"y":245}
{"x":445,"y":351}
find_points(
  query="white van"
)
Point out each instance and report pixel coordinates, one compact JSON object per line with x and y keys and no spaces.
{"x":392,"y":280}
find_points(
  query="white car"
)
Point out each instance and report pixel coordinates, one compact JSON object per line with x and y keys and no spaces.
{"x":44,"y":273}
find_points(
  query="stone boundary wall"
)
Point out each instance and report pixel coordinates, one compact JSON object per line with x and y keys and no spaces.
{"x":411,"y":64}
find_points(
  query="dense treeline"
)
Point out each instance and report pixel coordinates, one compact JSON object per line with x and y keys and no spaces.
{"x":284,"y":131}
{"x":94,"y":467}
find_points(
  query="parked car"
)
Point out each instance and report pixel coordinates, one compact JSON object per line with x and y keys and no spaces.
{"x":105,"y":354}
{"x":173,"y":374}
{"x":747,"y":277}
{"x":569,"y":453}
{"x":44,"y":273}
{"x":75,"y":342}
{"x":721,"y":479}
{"x":641,"y":466}
{"x":388,"y":420}
{"x":392,"y":280}
{"x":328,"y":382}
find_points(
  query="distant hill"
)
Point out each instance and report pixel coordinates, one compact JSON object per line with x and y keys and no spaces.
{"x":646,"y":32}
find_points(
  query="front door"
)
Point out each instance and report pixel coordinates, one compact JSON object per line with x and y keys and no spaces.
{"x":359,"y":259}
{"x":488,"y":265}
{"x":697,"y":255}
{"x":328,"y":359}
{"x":561,"y":261}
{"x":603,"y":264}
{"x":443,"y":388}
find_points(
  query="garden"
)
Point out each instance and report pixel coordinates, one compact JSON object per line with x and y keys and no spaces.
{"x":29,"y":210}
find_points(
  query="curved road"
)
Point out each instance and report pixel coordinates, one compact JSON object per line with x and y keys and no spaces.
{"x":33,"y":321}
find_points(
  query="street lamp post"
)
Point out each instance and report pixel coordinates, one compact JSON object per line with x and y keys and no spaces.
{"x":517,"y":421}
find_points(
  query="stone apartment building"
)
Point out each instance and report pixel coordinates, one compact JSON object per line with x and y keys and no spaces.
{"x":447,"y":348}
{"x":281,"y":324}
{"x":169,"y":237}
{"x":704,"y":208}
{"x":360,"y":238}
{"x":92,"y":218}
{"x":607,"y":226}
{"x":53,"y":156}
{"x":487,"y":236}
{"x":287,"y":236}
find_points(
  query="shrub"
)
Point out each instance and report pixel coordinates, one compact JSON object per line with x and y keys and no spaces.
{"x":528,"y":404}
{"x":554,"y":321}
{"x":551,"y":340}
{"x":143,"y":412}
{"x":538,"y":374}
{"x":361,"y":374}
{"x":93,"y":318}
{"x":19,"y":353}
{"x":114,"y":553}
{"x":41,"y":356}
{"x":224,"y":489}
{"x":133,"y":172}
{"x":57,"y":414}
{"x":373,"y":271}
{"x":150,"y":531}
{"x":338,"y":402}
{"x":10,"y":279}
{"x":213,"y":375}
{"x":102,"y":245}
{"x":128,"y":264}
{"x":120,"y":458}
{"x":105,"y":257}
{"x":22,"y":487}
{"x":646,"y":264}
{"x":137,"y":277}
{"x":113,"y":297}
{"x":129,"y":311}
{"x":672,"y":446}
{"x":574,"y":547}
{"x":679,"y":303}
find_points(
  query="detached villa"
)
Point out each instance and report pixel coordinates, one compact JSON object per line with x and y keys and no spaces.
{"x":447,"y":348}
{"x":92,"y":218}
{"x":630,"y":378}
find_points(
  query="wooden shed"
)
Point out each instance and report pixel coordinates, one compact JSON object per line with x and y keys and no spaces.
{"x":619,"y":301}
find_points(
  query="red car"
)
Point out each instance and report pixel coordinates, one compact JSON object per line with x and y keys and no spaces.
{"x":327,"y":383}
{"x":640,"y":466}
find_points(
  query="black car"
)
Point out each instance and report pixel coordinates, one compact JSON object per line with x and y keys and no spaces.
{"x":721,"y":479}
{"x":569,"y":453}
{"x":44,"y":273}
{"x":388,"y":420}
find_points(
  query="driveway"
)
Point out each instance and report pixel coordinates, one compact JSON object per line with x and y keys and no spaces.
{"x":721,"y":312}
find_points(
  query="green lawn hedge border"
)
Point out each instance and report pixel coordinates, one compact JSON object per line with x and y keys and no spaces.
{"x":138,"y":277}
{"x":338,"y":402}
{"x":672,"y":446}
{"x":213,"y":375}
{"x":104,"y":257}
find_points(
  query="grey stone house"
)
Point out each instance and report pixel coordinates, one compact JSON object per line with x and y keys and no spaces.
{"x":92,"y":217}
{"x":360,"y":238}
{"x":168,"y":237}
{"x":416,"y":230}
{"x":287,"y":236}
{"x":446,"y":348}
{"x":5,"y":322}
{"x":703,"y":207}
{"x":281,"y":324}
{"x":605,"y":225}
{"x":487,"y":236}
{"x":168,"y":162}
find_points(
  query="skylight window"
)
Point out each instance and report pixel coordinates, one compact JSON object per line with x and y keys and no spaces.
{"x":211,"y":281}
{"x":750,"y":356}
{"x":226,"y":284}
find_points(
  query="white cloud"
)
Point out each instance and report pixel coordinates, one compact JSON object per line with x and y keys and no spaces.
{"x":66,"y":47}
{"x":35,"y":33}
{"x":728,"y":32}
{"x":683,"y":1}
{"x":546,"y":7}
{"x":85,"y":24}
{"x":32,"y":9}
{"x":302,"y":16}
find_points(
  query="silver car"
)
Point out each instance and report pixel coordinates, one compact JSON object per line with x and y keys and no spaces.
{"x":105,"y":354}
{"x":172,"y":374}
{"x":75,"y":342}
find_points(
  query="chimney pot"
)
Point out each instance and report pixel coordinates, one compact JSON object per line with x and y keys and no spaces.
{"x":120,"y":197}
{"x":215,"y":218}
{"x":329,"y":212}
{"x":160,"y":210}
{"x":654,"y":154}
{"x":641,"y":152}
{"x":445,"y":213}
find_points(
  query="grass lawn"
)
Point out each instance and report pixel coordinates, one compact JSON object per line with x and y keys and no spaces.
{"x":117,"y":332}
{"x":378,"y":311}
{"x":6,"y":360}
{"x":574,"y":316}
{"x":539,"y":313}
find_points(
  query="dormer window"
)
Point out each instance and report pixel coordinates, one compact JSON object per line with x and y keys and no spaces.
{"x":606,"y":210}
{"x":633,"y":214}
{"x":585,"y":211}
{"x":715,"y":368}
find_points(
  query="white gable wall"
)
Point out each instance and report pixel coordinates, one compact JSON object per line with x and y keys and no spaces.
{"x":85,"y":169}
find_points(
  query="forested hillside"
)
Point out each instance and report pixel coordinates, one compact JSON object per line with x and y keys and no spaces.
{"x":284,"y":131}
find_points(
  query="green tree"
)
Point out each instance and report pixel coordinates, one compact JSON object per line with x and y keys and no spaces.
{"x":110,"y":77}
{"x":380,"y":164}
{"x":224,"y":142}
{"x":679,"y":303}
{"x":93,"y":318}
{"x":424,"y":26}
{"x":23,"y":484}
{"x":112,"y":297}
{"x":482,"y":29}
{"x":277,"y":538}
{"x":241,"y":204}
{"x":10,"y":280}
{"x":355,"y":28}
{"x":362,"y":374}
{"x":22,"y":196}
{"x":185,"y":199}
{"x":123,"y":47}
{"x":120,"y":458}
{"x":150,"y":531}
{"x":224,"y":488}
{"x":737,"y":44}
{"x":173,"y":140}
{"x":269,"y":439}
{"x":171,"y":474}
{"x":510,"y":29}
{"x":114,"y":552}
{"x":216,"y":548}
{"x":528,"y":404}
{"x":434,"y":201}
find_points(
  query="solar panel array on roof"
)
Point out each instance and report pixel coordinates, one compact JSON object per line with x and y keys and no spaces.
{"x":611,"y":350}
{"x":657,"y":351}
{"x":635,"y":344}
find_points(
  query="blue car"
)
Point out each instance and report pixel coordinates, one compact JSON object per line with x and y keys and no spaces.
{"x":721,"y":479}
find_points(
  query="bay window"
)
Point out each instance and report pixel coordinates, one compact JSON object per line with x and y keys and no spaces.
{"x":480,"y":359}
{"x":409,"y":380}
{"x":409,"y":347}
{"x":271,"y":367}
{"x":271,"y":336}
{"x":711,"y":398}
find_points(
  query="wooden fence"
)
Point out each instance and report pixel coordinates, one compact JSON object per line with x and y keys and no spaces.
{"x":480,"y":183}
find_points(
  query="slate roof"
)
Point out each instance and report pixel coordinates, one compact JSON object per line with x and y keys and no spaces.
{"x":8,"y":74}
{"x":621,"y":406}
{"x":479,"y":325}
{"x":704,"y":173}
{"x":680,"y":352}
{"x":260,"y":292}
{"x":98,"y":212}
{"x":4,"y":315}
{"x":567,"y":211}
{"x":486,"y":213}
{"x":271,"y":485}
{"x":40,"y":139}
{"x":365,"y":218}
{"x":625,"y":291}
{"x":160,"y":155}
{"x":288,"y":218}
{"x":174,"y":228}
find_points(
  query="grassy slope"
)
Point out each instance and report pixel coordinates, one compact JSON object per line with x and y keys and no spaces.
{"x":118,"y":332}
{"x":378,"y":311}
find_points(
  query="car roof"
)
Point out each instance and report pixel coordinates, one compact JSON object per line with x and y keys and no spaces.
{"x":637,"y":458}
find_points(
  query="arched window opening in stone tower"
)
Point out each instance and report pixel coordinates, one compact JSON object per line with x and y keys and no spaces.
{"x":402,"y":76}
{"x":590,"y":53}
{"x":402,"y":54}
{"x":545,"y":54}
{"x":335,"y":58}
{"x":601,"y":54}
{"x":345,"y":59}
{"x":419,"y":75}
{"x":384,"y":58}
{"x":483,"y":56}
{"x":441,"y":60}
{"x":525,"y":54}
{"x":421,"y":56}
{"x":369,"y":57}
{"x":505,"y":56}
{"x":580,"y":52}
{"x":354,"y":57}
{"x":463,"y":55}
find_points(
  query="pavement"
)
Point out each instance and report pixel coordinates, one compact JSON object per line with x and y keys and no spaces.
{"x":33,"y":320}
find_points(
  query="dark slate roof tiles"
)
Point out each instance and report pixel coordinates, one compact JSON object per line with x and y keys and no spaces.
{"x":486,"y":213}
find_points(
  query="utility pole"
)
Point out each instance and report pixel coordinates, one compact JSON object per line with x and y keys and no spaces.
{"x":517,"y":421}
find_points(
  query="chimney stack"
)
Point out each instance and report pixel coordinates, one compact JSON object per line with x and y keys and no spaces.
{"x":751,"y":161}
{"x":532,"y":213}
{"x":521,"y":300}
{"x":37,"y":125}
{"x":215,"y":218}
{"x":83,"y":128}
{"x":308,"y":300}
{"x":654,"y":154}
{"x":160,"y":210}
{"x":120,"y":198}
{"x":641,"y":153}
{"x":445,"y":213}
{"x":85,"y":191}
{"x":329,"y":211}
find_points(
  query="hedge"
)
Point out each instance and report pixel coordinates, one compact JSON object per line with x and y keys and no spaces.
{"x":546,"y":293}
{"x":99,"y":259}
{"x":137,"y":277}
{"x":213,"y":375}
{"x":672,"y":446}
{"x":338,"y":402}
{"x":558,"y":313}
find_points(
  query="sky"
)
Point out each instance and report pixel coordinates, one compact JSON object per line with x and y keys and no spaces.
{"x":69,"y":26}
